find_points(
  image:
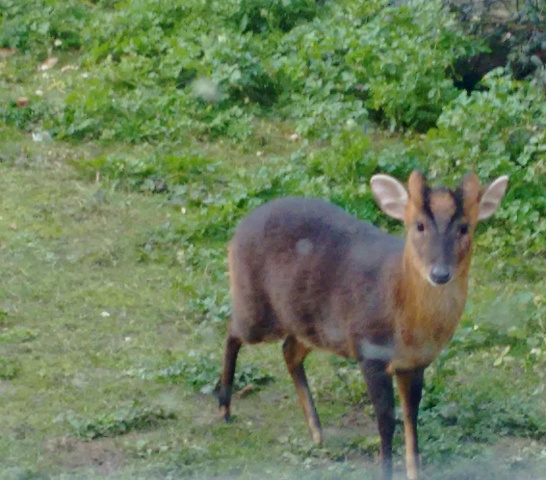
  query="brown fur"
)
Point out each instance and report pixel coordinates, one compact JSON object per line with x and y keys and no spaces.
{"x":305,"y":271}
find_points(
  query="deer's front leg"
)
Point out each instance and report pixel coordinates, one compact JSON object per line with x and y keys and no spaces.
{"x":381,"y":392}
{"x":410,"y":387}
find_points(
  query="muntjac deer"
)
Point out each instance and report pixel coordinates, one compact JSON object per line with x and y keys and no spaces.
{"x":305,"y":271}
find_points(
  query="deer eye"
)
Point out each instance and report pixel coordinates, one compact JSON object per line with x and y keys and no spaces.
{"x":463,"y":228}
{"x":420,"y":226}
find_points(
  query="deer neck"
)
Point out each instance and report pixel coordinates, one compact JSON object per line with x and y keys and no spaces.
{"x":436,"y":309}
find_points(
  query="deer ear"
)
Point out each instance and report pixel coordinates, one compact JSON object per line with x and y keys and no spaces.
{"x":390,"y":194}
{"x":491,"y":197}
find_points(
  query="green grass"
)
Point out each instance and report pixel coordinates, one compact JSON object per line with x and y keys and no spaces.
{"x":114,"y":294}
{"x":84,"y":307}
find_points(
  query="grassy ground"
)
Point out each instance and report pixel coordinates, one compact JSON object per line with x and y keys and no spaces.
{"x":112,"y":327}
{"x":87,"y":314}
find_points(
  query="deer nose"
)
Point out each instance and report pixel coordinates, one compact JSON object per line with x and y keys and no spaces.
{"x":440,"y":274}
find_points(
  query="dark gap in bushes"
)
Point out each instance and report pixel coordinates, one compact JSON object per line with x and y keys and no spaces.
{"x":514,"y":34}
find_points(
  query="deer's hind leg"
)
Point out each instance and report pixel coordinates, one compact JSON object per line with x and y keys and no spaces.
{"x":252,"y":322}
{"x":294,"y":355}
{"x":233,"y":345}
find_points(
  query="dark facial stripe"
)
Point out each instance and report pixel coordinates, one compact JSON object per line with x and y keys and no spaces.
{"x":458,"y":199}
{"x":426,"y":202}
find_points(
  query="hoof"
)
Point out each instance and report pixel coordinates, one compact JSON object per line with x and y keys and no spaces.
{"x":317,"y":437}
{"x":225,"y":414}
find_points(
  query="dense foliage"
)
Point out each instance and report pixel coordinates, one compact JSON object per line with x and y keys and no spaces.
{"x":159,"y":68}
{"x":164,"y":72}
{"x":515,"y":33}
{"x":160,"y":74}
{"x":220,"y":105}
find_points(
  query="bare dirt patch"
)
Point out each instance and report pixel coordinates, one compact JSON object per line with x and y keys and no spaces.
{"x":103,"y":456}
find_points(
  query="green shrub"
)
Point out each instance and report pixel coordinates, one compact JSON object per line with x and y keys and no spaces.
{"x":235,"y":63}
{"x":161,"y":68}
{"x":139,"y":28}
{"x":261,"y":16}
{"x":318,"y":89}
{"x":100,"y":108}
{"x":9,"y":368}
{"x":202,"y":372}
{"x":404,"y":58}
{"x":42,"y":25}
{"x":394,"y":60}
{"x":500,"y":130}
{"x":155,"y":172}
{"x":124,"y":420}
{"x":27,"y":118}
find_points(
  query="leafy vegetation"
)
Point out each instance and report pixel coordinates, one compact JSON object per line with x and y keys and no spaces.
{"x":122,"y":421}
{"x":9,"y":369}
{"x":501,"y":129}
{"x":514,"y":32}
{"x":126,"y":164}
{"x":201,"y":372}
{"x":322,"y":66}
